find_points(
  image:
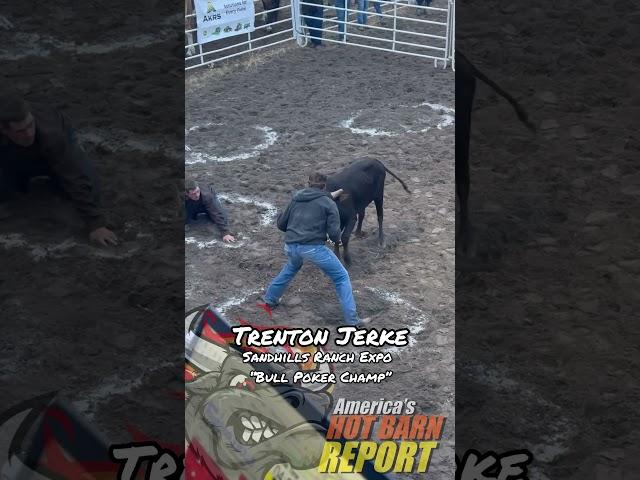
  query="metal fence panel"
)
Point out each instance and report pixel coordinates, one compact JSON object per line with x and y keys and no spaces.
{"x":398,"y":26}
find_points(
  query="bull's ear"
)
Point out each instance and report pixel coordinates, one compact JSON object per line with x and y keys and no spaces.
{"x":203,"y":385}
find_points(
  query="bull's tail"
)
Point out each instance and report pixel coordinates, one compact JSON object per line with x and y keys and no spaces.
{"x":522,"y":114}
{"x":404,"y":185}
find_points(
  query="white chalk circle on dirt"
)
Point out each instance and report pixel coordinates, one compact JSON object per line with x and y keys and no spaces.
{"x":195,"y":128}
{"x":193,"y":157}
{"x":117,"y":384}
{"x":5,"y":23}
{"x":235,"y":301}
{"x":558,"y":434}
{"x":115,"y":141}
{"x":24,"y":45}
{"x":435,"y":116}
{"x":67,"y":248}
{"x":269,"y":211}
{"x":420,"y":317}
{"x":200,"y":244}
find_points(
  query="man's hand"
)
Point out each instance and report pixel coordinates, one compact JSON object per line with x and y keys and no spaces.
{"x":228,"y":238}
{"x":103,"y":236}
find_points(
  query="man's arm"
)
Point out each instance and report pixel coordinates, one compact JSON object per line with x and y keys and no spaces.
{"x":70,"y":166}
{"x":283,"y":218}
{"x":333,"y":222}
{"x":216,"y":212}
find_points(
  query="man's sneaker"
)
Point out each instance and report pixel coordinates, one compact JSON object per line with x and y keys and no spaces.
{"x":269,"y":304}
{"x":362,"y":322}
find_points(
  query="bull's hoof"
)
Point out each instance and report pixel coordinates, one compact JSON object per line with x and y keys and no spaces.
{"x":347,"y":262}
{"x":360,"y":234}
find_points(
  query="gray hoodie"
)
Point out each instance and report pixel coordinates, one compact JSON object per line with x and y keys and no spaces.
{"x":310,"y":217}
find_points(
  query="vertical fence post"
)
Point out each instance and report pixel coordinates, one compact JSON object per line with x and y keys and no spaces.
{"x":447,"y":37}
{"x":395,"y":23}
{"x":452,"y":36}
{"x":294,"y":20}
{"x":345,"y":20}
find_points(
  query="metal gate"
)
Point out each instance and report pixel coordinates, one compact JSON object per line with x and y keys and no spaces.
{"x":398,"y":26}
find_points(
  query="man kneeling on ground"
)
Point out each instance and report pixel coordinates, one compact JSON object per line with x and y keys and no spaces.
{"x":39,"y":141}
{"x":311,"y":216}
{"x":198,"y":202}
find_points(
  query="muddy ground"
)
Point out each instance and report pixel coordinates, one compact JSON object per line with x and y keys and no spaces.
{"x":100,"y":325}
{"x":546,"y":335}
{"x":255,"y":132}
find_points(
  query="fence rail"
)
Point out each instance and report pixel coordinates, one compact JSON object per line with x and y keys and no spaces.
{"x":420,"y":31}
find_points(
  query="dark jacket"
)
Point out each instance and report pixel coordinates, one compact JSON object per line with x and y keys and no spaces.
{"x":58,"y":156}
{"x":310,"y":217}
{"x":208,"y":203}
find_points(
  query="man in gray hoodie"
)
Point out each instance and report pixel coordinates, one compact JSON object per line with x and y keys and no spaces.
{"x":311,"y":216}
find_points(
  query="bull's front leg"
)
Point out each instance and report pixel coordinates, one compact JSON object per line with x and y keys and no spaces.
{"x":358,"y":232}
{"x":346,"y":234}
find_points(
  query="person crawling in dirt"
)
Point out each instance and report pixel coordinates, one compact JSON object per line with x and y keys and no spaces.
{"x":37,"y":140}
{"x":310,"y":218}
{"x":198,"y":202}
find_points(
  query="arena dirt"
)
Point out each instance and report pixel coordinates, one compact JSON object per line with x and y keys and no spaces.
{"x":102,"y":326}
{"x":546,"y":334}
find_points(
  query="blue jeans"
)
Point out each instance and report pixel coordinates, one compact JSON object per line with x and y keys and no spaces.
{"x":316,"y":12}
{"x":377,"y":6}
{"x":362,"y":13}
{"x":341,"y":14}
{"x":325,"y":260}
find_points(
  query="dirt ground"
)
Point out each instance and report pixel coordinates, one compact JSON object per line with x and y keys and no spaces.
{"x":99,"y":325}
{"x":256,"y":130}
{"x":546,"y":335}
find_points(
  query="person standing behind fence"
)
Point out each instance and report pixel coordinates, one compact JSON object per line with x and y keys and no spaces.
{"x":363,"y":6}
{"x":377,"y":6}
{"x":313,"y":10}
{"x":341,"y":14}
{"x":422,"y":3}
{"x":271,"y":6}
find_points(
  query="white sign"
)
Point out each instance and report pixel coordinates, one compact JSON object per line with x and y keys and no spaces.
{"x":218,"y":19}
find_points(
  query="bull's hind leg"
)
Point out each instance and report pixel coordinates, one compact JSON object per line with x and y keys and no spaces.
{"x":358,"y":232}
{"x":379,"y":211}
{"x":465,"y":90}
